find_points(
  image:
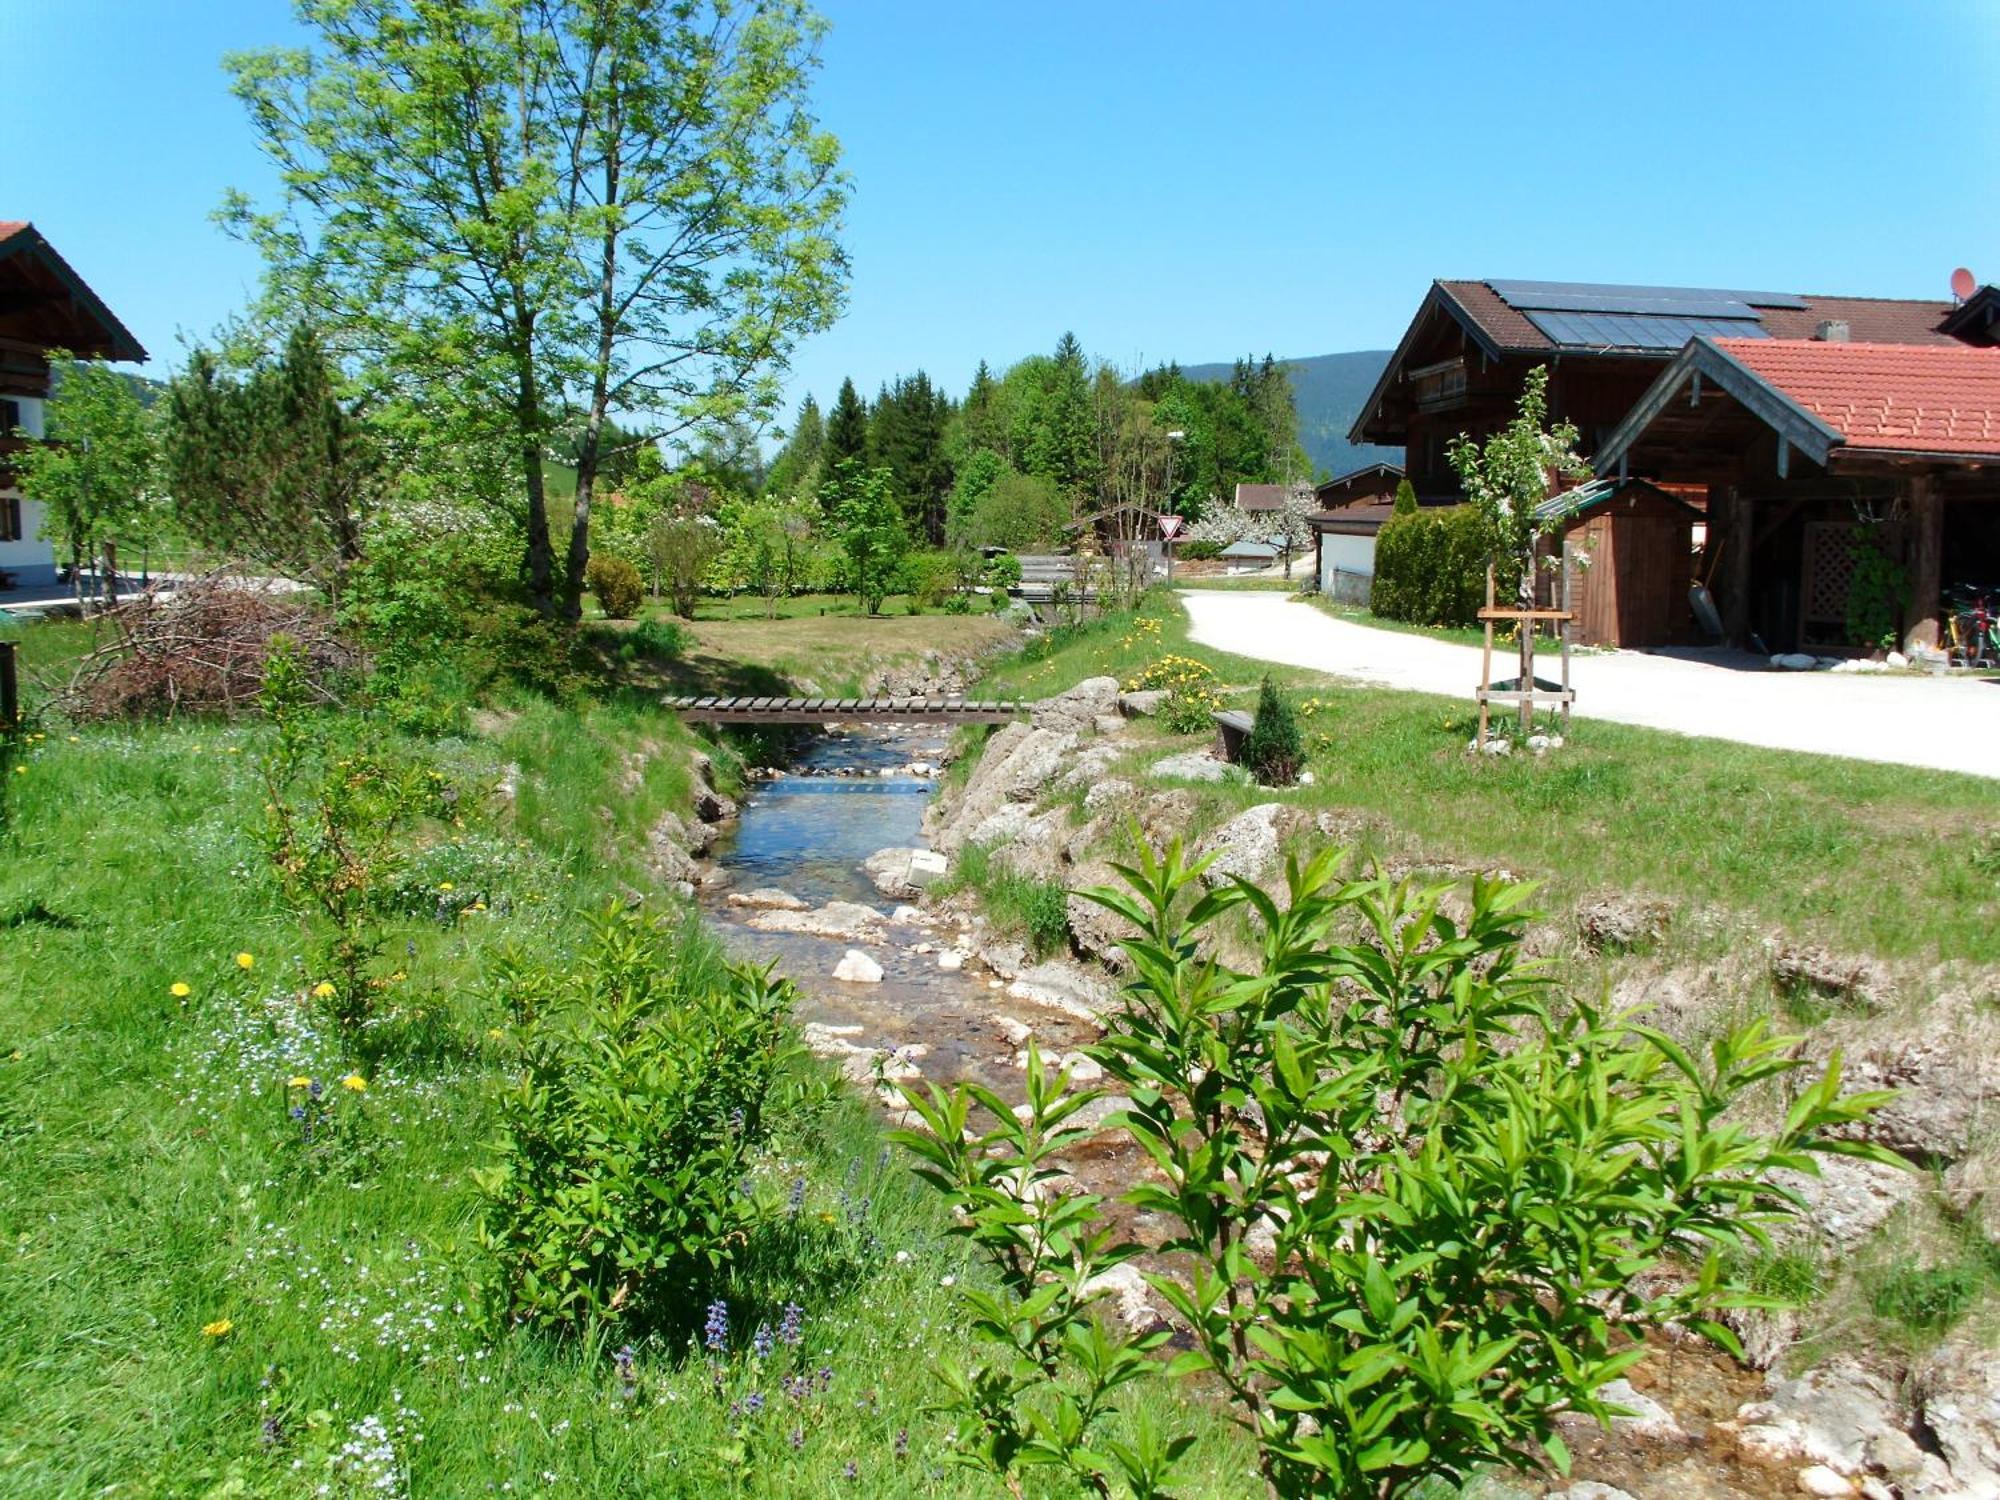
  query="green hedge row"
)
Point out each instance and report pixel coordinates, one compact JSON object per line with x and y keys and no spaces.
{"x":1430,"y":568}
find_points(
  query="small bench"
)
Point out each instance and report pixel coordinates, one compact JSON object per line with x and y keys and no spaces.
{"x":1233,"y":728}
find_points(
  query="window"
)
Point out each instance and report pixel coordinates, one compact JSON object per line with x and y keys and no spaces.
{"x":10,"y":518}
{"x":10,"y":416}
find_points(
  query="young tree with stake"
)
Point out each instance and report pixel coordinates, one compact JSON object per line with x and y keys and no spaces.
{"x":1506,"y":479}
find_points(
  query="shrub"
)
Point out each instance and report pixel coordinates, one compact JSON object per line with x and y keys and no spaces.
{"x":1430,"y":568}
{"x":619,"y":588}
{"x":1003,"y":572}
{"x":1273,"y":749}
{"x":662,"y":639}
{"x":1927,"y":1297}
{"x":1192,"y":695}
{"x":338,"y":812}
{"x":648,"y":1083}
{"x":1406,"y":498}
{"x":1466,"y":1185}
{"x":1198,"y":551}
{"x":930,"y":579}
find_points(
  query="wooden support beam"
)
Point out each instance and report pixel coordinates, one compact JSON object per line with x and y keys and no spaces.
{"x":1926,"y":554}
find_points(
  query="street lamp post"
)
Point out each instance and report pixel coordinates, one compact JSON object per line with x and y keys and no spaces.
{"x":1173,"y":437}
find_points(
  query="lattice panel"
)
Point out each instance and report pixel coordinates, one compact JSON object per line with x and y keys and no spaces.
{"x":1831,"y":549}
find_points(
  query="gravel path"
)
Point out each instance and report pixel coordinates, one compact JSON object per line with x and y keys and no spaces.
{"x":1937,"y":723}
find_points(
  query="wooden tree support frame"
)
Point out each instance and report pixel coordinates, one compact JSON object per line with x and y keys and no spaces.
{"x":1525,"y":694}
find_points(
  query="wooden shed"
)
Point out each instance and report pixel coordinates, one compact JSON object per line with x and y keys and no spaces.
{"x":1633,"y":549}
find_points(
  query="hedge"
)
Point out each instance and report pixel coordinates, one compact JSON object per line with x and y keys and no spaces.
{"x":1430,"y":568}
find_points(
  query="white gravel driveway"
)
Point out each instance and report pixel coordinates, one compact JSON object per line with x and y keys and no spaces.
{"x":1938,"y":723}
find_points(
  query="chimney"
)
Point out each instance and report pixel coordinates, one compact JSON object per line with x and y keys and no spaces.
{"x":1831,"y":331}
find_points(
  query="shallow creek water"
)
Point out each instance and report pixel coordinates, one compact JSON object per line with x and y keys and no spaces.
{"x":807,"y":834}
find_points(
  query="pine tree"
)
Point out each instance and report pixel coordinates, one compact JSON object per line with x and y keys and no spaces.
{"x":846,"y":429}
{"x":796,"y":469}
{"x":1063,"y":448}
{"x":1406,"y":498}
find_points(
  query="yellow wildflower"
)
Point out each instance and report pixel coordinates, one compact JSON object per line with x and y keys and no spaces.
{"x":301,"y":1082}
{"x":496,"y":1033}
{"x":446,"y":885}
{"x":323,"y":990}
{"x":180,"y":989}
{"x":355,"y":1083}
{"x":245,"y":961}
{"x":218,"y":1328}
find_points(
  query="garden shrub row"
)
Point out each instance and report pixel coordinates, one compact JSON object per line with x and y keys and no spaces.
{"x":1430,"y":567}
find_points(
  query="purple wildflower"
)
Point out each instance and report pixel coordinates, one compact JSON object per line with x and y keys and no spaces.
{"x":852,"y":1471}
{"x":798,"y":1198}
{"x":902,"y":1442}
{"x":798,"y":1438}
{"x":790,"y":1326}
{"x":825,"y":1376}
{"x":760,"y":1342}
{"x":716,"y":1333}
{"x":755,"y":1404}
{"x":628,"y":1378}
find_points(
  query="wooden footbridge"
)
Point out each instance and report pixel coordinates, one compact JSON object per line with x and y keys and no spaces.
{"x":842,"y":710}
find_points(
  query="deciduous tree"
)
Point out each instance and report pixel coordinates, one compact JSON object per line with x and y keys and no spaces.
{"x":569,"y":209}
{"x":91,"y":476}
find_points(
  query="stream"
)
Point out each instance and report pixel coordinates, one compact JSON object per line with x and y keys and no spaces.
{"x":848,"y":794}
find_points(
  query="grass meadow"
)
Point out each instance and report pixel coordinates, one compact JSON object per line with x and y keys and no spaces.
{"x":196,"y":1300}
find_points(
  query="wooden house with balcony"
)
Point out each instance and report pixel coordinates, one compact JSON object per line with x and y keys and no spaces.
{"x":44,"y":306}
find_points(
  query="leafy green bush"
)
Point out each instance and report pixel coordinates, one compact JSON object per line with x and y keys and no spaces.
{"x":619,"y":588}
{"x":1463,"y":1181}
{"x":1198,"y":551}
{"x":339,"y":808}
{"x":930,"y":579}
{"x":1273,"y":749}
{"x":1927,"y":1297}
{"x":1430,"y":568}
{"x":664,"y":640}
{"x":1406,"y":499}
{"x":647,"y":1086}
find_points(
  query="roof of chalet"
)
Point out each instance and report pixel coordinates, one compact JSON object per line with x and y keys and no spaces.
{"x":19,"y":237}
{"x":1246,"y":548}
{"x":1264,"y":496}
{"x":1582,"y":319}
{"x":1821,"y":397}
{"x":1364,"y":519}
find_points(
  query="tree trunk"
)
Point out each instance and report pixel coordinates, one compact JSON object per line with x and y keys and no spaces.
{"x":528,"y":422}
{"x":110,"y":574}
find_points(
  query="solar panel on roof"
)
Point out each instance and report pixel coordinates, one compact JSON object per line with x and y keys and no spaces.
{"x":1683,"y":301}
{"x":1601,"y":330}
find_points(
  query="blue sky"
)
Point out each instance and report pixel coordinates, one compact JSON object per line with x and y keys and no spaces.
{"x":1176,"y":180}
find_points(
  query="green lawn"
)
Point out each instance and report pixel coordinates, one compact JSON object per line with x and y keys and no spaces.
{"x":1459,"y":635}
{"x":1879,"y":858}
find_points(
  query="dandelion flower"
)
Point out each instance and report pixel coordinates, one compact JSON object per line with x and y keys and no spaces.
{"x":218,"y":1328}
{"x":300,"y":1082}
{"x":446,"y":885}
{"x":323,"y":990}
{"x":496,"y":1033}
{"x":180,"y":989}
{"x":246,"y":961}
{"x":355,"y":1082}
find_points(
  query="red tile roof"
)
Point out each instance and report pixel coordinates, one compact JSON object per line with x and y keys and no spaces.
{"x":11,"y":227}
{"x":1901,"y":397}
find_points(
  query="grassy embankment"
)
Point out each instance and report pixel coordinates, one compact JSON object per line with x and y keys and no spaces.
{"x":816,"y":643}
{"x":154,"y":1186}
{"x":1873,"y":858}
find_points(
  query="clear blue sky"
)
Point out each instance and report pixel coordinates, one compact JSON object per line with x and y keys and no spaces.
{"x":1174,"y":179}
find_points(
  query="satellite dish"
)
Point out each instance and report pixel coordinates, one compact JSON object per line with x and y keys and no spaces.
{"x":1963,"y":283}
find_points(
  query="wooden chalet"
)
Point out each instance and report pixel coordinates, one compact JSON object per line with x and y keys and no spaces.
{"x":1362,"y":486}
{"x":1461,"y":364}
{"x":1818,"y":452}
{"x":44,"y":306}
